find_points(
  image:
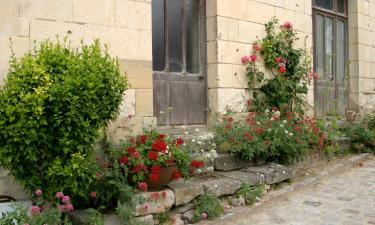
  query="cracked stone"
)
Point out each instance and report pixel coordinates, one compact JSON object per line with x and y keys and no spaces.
{"x":229,"y":162}
{"x":221,"y":186}
{"x":273,"y":173}
{"x":185,"y":191}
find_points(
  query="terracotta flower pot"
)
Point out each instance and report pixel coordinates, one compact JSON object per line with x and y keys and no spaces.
{"x":164,"y":178}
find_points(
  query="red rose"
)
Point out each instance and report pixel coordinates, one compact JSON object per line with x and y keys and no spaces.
{"x":143,"y":186}
{"x":153,"y":155}
{"x":142,"y":139}
{"x":159,"y":145}
{"x":123,"y":160}
{"x":196,"y":163}
{"x":93,"y":194}
{"x":282,"y":69}
{"x":278,"y":59}
{"x":176,"y":175}
{"x":253,"y":57}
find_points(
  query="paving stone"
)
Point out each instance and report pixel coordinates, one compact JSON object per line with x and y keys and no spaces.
{"x":273,"y":173}
{"x":155,"y":202}
{"x":185,"y":191}
{"x":221,"y":186}
{"x":229,"y":162}
{"x":243,"y":176}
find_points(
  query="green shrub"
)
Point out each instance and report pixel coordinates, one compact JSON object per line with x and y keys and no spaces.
{"x":54,"y":101}
{"x":250,"y":193}
{"x":370,"y":120}
{"x":209,"y":205}
{"x":363,"y":139}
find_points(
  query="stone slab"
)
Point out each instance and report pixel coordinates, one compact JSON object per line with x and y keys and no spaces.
{"x":221,"y":186}
{"x":229,"y":162}
{"x":243,"y":176}
{"x":185,"y":191}
{"x":155,"y":202}
{"x":273,"y":173}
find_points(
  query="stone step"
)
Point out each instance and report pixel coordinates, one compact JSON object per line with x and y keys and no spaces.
{"x":272,"y":173}
{"x":186,"y":191}
{"x":229,"y":162}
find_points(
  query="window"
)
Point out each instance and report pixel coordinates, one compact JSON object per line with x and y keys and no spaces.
{"x":330,"y":55}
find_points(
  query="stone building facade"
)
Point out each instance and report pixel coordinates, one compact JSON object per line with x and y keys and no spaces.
{"x":230,"y":28}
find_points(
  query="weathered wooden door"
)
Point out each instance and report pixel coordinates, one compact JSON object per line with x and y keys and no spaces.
{"x":330,"y":60}
{"x":179,"y":77}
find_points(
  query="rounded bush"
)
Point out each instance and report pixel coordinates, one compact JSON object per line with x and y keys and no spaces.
{"x":54,"y":101}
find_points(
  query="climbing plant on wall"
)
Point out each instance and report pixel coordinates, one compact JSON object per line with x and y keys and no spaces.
{"x":290,"y":69}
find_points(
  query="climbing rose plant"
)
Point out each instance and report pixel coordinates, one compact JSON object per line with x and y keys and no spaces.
{"x":290,"y":69}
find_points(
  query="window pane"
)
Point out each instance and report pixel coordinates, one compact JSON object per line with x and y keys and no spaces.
{"x":341,"y":6}
{"x":341,"y":50}
{"x":174,"y":18}
{"x":319,"y":45}
{"x":327,"y":4}
{"x":158,"y":44}
{"x":328,"y":39}
{"x":192,"y":36}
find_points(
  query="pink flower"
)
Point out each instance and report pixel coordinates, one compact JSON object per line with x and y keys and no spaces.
{"x":38,"y":192}
{"x":93,"y":194}
{"x":61,"y":208}
{"x":34,"y":210}
{"x":287,"y":25}
{"x":258,"y":47}
{"x":253,"y":57}
{"x":316,"y":76}
{"x":65,"y":199}
{"x":59,"y":195}
{"x":203,"y":215}
{"x":69,"y":207}
{"x":143,"y":186}
{"x":26,"y":224}
{"x":245,"y":59}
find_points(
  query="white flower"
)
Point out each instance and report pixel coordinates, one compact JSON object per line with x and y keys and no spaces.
{"x":186,"y":133}
{"x":272,"y":119}
{"x":199,"y":171}
{"x":210,"y":168}
{"x":196,"y":130}
{"x":290,"y":134}
{"x":208,"y":155}
{"x":267,"y":111}
{"x":213,"y":153}
{"x":161,"y":112}
{"x":199,"y":142}
{"x":281,"y":125}
{"x":213,"y":144}
{"x":184,"y":144}
{"x":269,"y":129}
{"x":193,"y":140}
{"x":258,"y":123}
{"x":285,"y":122}
{"x":202,"y":150}
{"x":183,"y":127}
{"x":167,"y":147}
{"x":286,"y":132}
{"x":277,"y":113}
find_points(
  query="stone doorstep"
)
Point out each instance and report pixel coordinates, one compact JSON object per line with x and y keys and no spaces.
{"x":229,"y":162}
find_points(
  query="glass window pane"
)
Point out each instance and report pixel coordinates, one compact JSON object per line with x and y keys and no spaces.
{"x":319,"y":45}
{"x":341,"y":50}
{"x":341,"y":6}
{"x":174,"y":18}
{"x":192,"y":36}
{"x":327,"y":4}
{"x":158,"y":37}
{"x":328,"y":39}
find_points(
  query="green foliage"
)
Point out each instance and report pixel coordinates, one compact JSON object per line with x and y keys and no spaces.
{"x":370,"y":120}
{"x":52,"y":105}
{"x":251,"y":194}
{"x":14,"y":217}
{"x":163,"y":218}
{"x":209,"y":204}
{"x":291,"y":70}
{"x":95,"y":217}
{"x":363,"y":139}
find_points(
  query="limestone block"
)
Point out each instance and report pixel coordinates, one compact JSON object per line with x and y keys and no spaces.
{"x":285,"y":15}
{"x":211,"y":26}
{"x":272,"y":173}
{"x":303,"y":22}
{"x":219,"y":75}
{"x":123,"y":126}
{"x":149,"y":122}
{"x":359,"y":6}
{"x":155,"y":202}
{"x":133,"y":14}
{"x":250,"y":32}
{"x":45,"y":9}
{"x":45,"y":29}
{"x":356,"y":20}
{"x":138,"y":73}
{"x":185,"y":191}
{"x":229,"y":162}
{"x":224,"y":98}
{"x":233,"y":32}
{"x":145,"y":45}
{"x":259,"y":12}
{"x":296,"y":5}
{"x":211,"y":8}
{"x":250,"y":178}
{"x":308,"y":8}
{"x":20,"y":46}
{"x":278,"y":3}
{"x":94,"y":11}
{"x":232,"y":52}
{"x":239,"y":76}
{"x":221,"y":186}
{"x":222,"y":28}
{"x":234,"y":9}
{"x":127,"y":108}
{"x":212,"y":51}
{"x":144,"y":102}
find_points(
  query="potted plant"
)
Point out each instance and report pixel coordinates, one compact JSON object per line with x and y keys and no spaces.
{"x":153,"y":159}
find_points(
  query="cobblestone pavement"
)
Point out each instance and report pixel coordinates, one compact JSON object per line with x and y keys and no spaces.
{"x":344,"y":199}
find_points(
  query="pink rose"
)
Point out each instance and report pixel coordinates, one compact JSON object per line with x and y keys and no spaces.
{"x":65,"y":199}
{"x":38,"y":192}
{"x":93,"y":194}
{"x":204,"y":215}
{"x":245,"y":59}
{"x":258,"y":47}
{"x":278,"y":59}
{"x":287,"y":25}
{"x":253,"y":57}
{"x":61,"y":208}
{"x":69,"y":207}
{"x":59,"y":195}
{"x":316,"y":76}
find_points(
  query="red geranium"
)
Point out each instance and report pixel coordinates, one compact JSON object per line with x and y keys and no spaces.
{"x":176,"y":174}
{"x":136,"y":155}
{"x":159,"y":145}
{"x":178,"y":141}
{"x":131,"y":150}
{"x":162,"y":136}
{"x":258,"y":130}
{"x":196,"y":163}
{"x":142,"y":139}
{"x":153,"y":155}
{"x":123,"y":160}
{"x":248,"y":136}
{"x":278,"y":59}
{"x":143,"y":186}
{"x":154,"y":177}
{"x":138,"y":168}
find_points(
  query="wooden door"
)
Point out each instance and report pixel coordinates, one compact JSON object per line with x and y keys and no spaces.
{"x":179,"y":77}
{"x":330,"y":58}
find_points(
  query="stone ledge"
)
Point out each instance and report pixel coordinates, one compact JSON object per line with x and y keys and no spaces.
{"x":273,"y":173}
{"x":185,"y":191}
{"x":221,"y":186}
{"x":250,"y":178}
{"x":229,"y":162}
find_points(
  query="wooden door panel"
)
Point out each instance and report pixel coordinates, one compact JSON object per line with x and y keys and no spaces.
{"x":178,"y":102}
{"x":197,"y":99}
{"x":161,"y":103}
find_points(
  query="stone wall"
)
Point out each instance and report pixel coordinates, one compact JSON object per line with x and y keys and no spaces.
{"x":362,"y":55}
{"x":232,"y":27}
